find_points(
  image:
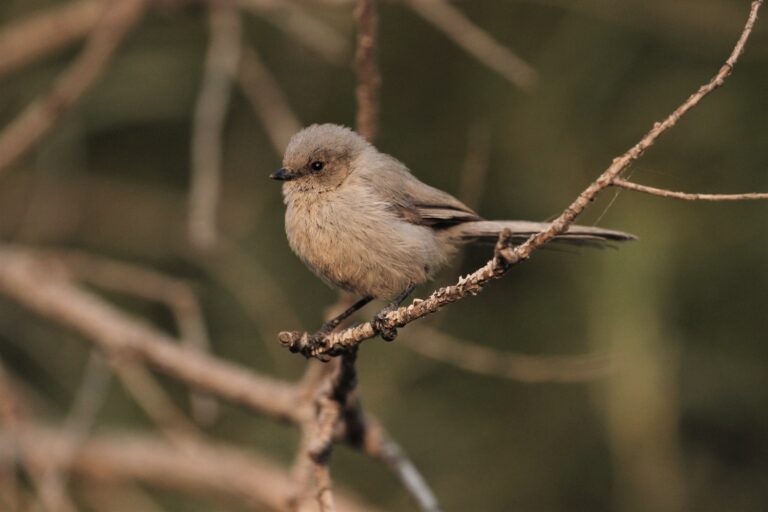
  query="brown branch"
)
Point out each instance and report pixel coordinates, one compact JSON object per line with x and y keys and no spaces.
{"x":221,"y":64}
{"x":203,"y":469}
{"x":368,"y":77}
{"x":175,"y":294}
{"x":45,"y":474}
{"x":476,"y":41}
{"x":495,"y":363}
{"x":686,"y":196}
{"x":36,"y":284}
{"x":41,"y":116}
{"x":330,"y":397}
{"x":123,"y":497}
{"x":506,"y":256}
{"x":40,"y":34}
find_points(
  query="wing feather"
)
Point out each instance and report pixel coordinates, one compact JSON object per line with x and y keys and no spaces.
{"x":415,"y":201}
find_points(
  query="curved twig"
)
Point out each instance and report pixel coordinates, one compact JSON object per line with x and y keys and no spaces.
{"x":687,"y":196}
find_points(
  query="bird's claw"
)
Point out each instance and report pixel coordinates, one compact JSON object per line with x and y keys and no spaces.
{"x":315,"y":346}
{"x":379,"y":323}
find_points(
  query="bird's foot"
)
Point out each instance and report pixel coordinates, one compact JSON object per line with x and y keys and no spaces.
{"x":379,"y":323}
{"x":309,"y":345}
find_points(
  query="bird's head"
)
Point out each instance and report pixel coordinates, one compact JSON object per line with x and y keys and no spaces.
{"x":319,"y":158}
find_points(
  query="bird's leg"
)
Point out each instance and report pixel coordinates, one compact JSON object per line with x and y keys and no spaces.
{"x":333,"y":323}
{"x":316,"y":339}
{"x":390,"y":333}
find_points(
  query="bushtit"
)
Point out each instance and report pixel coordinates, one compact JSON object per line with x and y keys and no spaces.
{"x":362,"y":222}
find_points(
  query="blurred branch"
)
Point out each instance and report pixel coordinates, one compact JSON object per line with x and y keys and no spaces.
{"x":686,"y":196}
{"x":475,"y":41}
{"x":328,"y":393}
{"x":269,"y":101}
{"x":152,"y":399}
{"x":505,"y":255}
{"x":89,"y":399}
{"x":221,"y":64}
{"x":119,"y":498}
{"x":140,"y":282}
{"x":368,"y":77}
{"x":266,"y":305}
{"x":41,"y":116}
{"x":45,"y":475}
{"x":39,"y":34}
{"x":35,"y":283}
{"x":203,"y":469}
{"x":295,"y":21}
{"x":379,"y":445}
{"x":495,"y":363}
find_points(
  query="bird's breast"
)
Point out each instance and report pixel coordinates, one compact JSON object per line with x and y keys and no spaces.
{"x":357,"y":243}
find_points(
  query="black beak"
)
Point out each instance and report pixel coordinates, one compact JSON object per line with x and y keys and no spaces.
{"x":282,"y":175}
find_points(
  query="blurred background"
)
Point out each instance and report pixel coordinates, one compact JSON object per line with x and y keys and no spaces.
{"x":671,"y":412}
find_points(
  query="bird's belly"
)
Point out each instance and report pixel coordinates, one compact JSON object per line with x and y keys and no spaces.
{"x":368,"y":253}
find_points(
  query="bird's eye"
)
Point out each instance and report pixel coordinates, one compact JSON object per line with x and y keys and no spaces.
{"x":317,"y":165}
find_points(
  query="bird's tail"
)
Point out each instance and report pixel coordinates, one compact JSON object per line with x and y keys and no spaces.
{"x":488,"y":231}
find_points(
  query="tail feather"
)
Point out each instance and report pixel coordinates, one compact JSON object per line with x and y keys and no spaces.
{"x":488,"y":230}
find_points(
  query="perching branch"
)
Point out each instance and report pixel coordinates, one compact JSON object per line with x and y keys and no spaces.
{"x":506,"y":256}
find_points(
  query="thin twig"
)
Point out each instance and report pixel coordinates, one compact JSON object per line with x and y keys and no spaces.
{"x":686,"y":196}
{"x":495,"y":363}
{"x":476,"y":41}
{"x":221,"y":64}
{"x":368,"y":77}
{"x":90,"y":397}
{"x":41,"y":116}
{"x":296,"y":22}
{"x":268,"y":100}
{"x":379,"y":445}
{"x":506,"y":256}
{"x":150,"y":396}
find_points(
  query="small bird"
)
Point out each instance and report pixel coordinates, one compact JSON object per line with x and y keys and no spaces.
{"x":362,"y":222}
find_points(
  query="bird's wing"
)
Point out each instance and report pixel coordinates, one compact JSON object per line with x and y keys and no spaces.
{"x":421,"y":204}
